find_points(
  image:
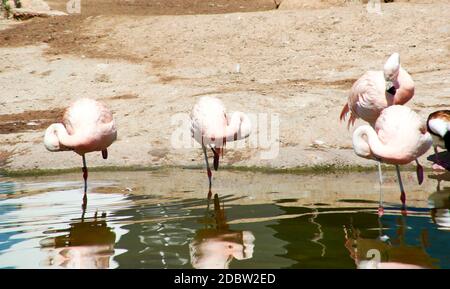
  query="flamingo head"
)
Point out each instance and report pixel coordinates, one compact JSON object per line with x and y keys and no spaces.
{"x":360,"y":142}
{"x":392,"y":67}
{"x":245,"y":127}
{"x":248,"y":240}
{"x":51,"y":140}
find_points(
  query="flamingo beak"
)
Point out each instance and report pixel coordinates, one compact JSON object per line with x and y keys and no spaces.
{"x":105,"y":154}
{"x":419,"y":172}
{"x":390,"y":88}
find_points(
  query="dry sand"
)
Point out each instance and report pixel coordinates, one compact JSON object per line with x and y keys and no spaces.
{"x":148,"y":66}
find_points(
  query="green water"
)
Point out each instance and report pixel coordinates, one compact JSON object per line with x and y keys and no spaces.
{"x":161,"y":219}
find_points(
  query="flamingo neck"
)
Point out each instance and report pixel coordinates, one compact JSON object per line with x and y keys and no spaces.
{"x":58,"y":139}
{"x":239,"y":127}
{"x":366,"y":143}
{"x":405,"y":90}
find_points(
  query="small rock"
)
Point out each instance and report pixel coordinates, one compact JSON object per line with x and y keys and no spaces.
{"x":319,"y":142}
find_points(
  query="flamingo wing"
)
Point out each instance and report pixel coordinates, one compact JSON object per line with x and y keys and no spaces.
{"x":92,"y":123}
{"x":367,"y":97}
{"x":208,"y":119}
{"x":403,"y":132}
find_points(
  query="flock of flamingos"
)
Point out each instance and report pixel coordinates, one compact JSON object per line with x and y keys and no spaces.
{"x":395,"y":134}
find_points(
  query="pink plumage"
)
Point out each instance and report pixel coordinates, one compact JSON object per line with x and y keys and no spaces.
{"x":211,"y":126}
{"x":376,"y":90}
{"x":87,"y":126}
{"x":400,"y":136}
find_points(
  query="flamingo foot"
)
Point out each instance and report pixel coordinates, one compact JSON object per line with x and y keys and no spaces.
{"x":380,"y":211}
{"x":105,"y":154}
{"x":419,"y":172}
{"x":216,"y":158}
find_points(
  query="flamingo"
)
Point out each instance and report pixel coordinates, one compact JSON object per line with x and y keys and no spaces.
{"x":210,"y":126}
{"x":375,"y":91}
{"x":87,"y":126}
{"x":398,"y":137}
{"x":438,"y":125}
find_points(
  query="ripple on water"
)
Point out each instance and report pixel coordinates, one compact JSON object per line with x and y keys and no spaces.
{"x":42,"y":225}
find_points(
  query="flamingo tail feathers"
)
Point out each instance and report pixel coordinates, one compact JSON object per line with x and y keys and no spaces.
{"x":351,"y":121}
{"x":345,"y":111}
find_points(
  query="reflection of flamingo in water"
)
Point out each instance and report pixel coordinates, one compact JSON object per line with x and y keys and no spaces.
{"x":398,"y":137}
{"x":210,"y":126}
{"x":87,"y":126}
{"x":439,"y":203}
{"x":440,"y":176}
{"x":380,"y":253}
{"x":88,"y":244}
{"x":215,"y":246}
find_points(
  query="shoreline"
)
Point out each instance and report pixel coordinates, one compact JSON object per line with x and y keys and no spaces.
{"x":303,"y":170}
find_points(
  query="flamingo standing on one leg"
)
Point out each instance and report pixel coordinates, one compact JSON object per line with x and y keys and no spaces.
{"x":398,"y":138}
{"x":210,"y":126}
{"x":375,"y":91}
{"x":87,"y":126}
{"x":438,"y":125}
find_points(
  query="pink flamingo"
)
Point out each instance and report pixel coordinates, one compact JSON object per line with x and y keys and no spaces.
{"x":87,"y":126}
{"x":376,"y":90}
{"x":438,"y":125}
{"x":398,"y":137}
{"x":210,"y":126}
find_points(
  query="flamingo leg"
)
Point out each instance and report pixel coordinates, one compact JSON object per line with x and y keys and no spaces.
{"x":105,"y":154}
{"x":85,"y":176}
{"x":380,"y":175}
{"x":402,"y":189}
{"x":208,"y":169}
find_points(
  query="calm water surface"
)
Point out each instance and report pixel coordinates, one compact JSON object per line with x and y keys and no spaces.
{"x":161,"y":219}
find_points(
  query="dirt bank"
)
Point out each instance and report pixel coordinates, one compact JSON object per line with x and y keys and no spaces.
{"x":148,"y":67}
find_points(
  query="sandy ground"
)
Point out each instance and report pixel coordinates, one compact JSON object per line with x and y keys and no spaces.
{"x":149,"y":67}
